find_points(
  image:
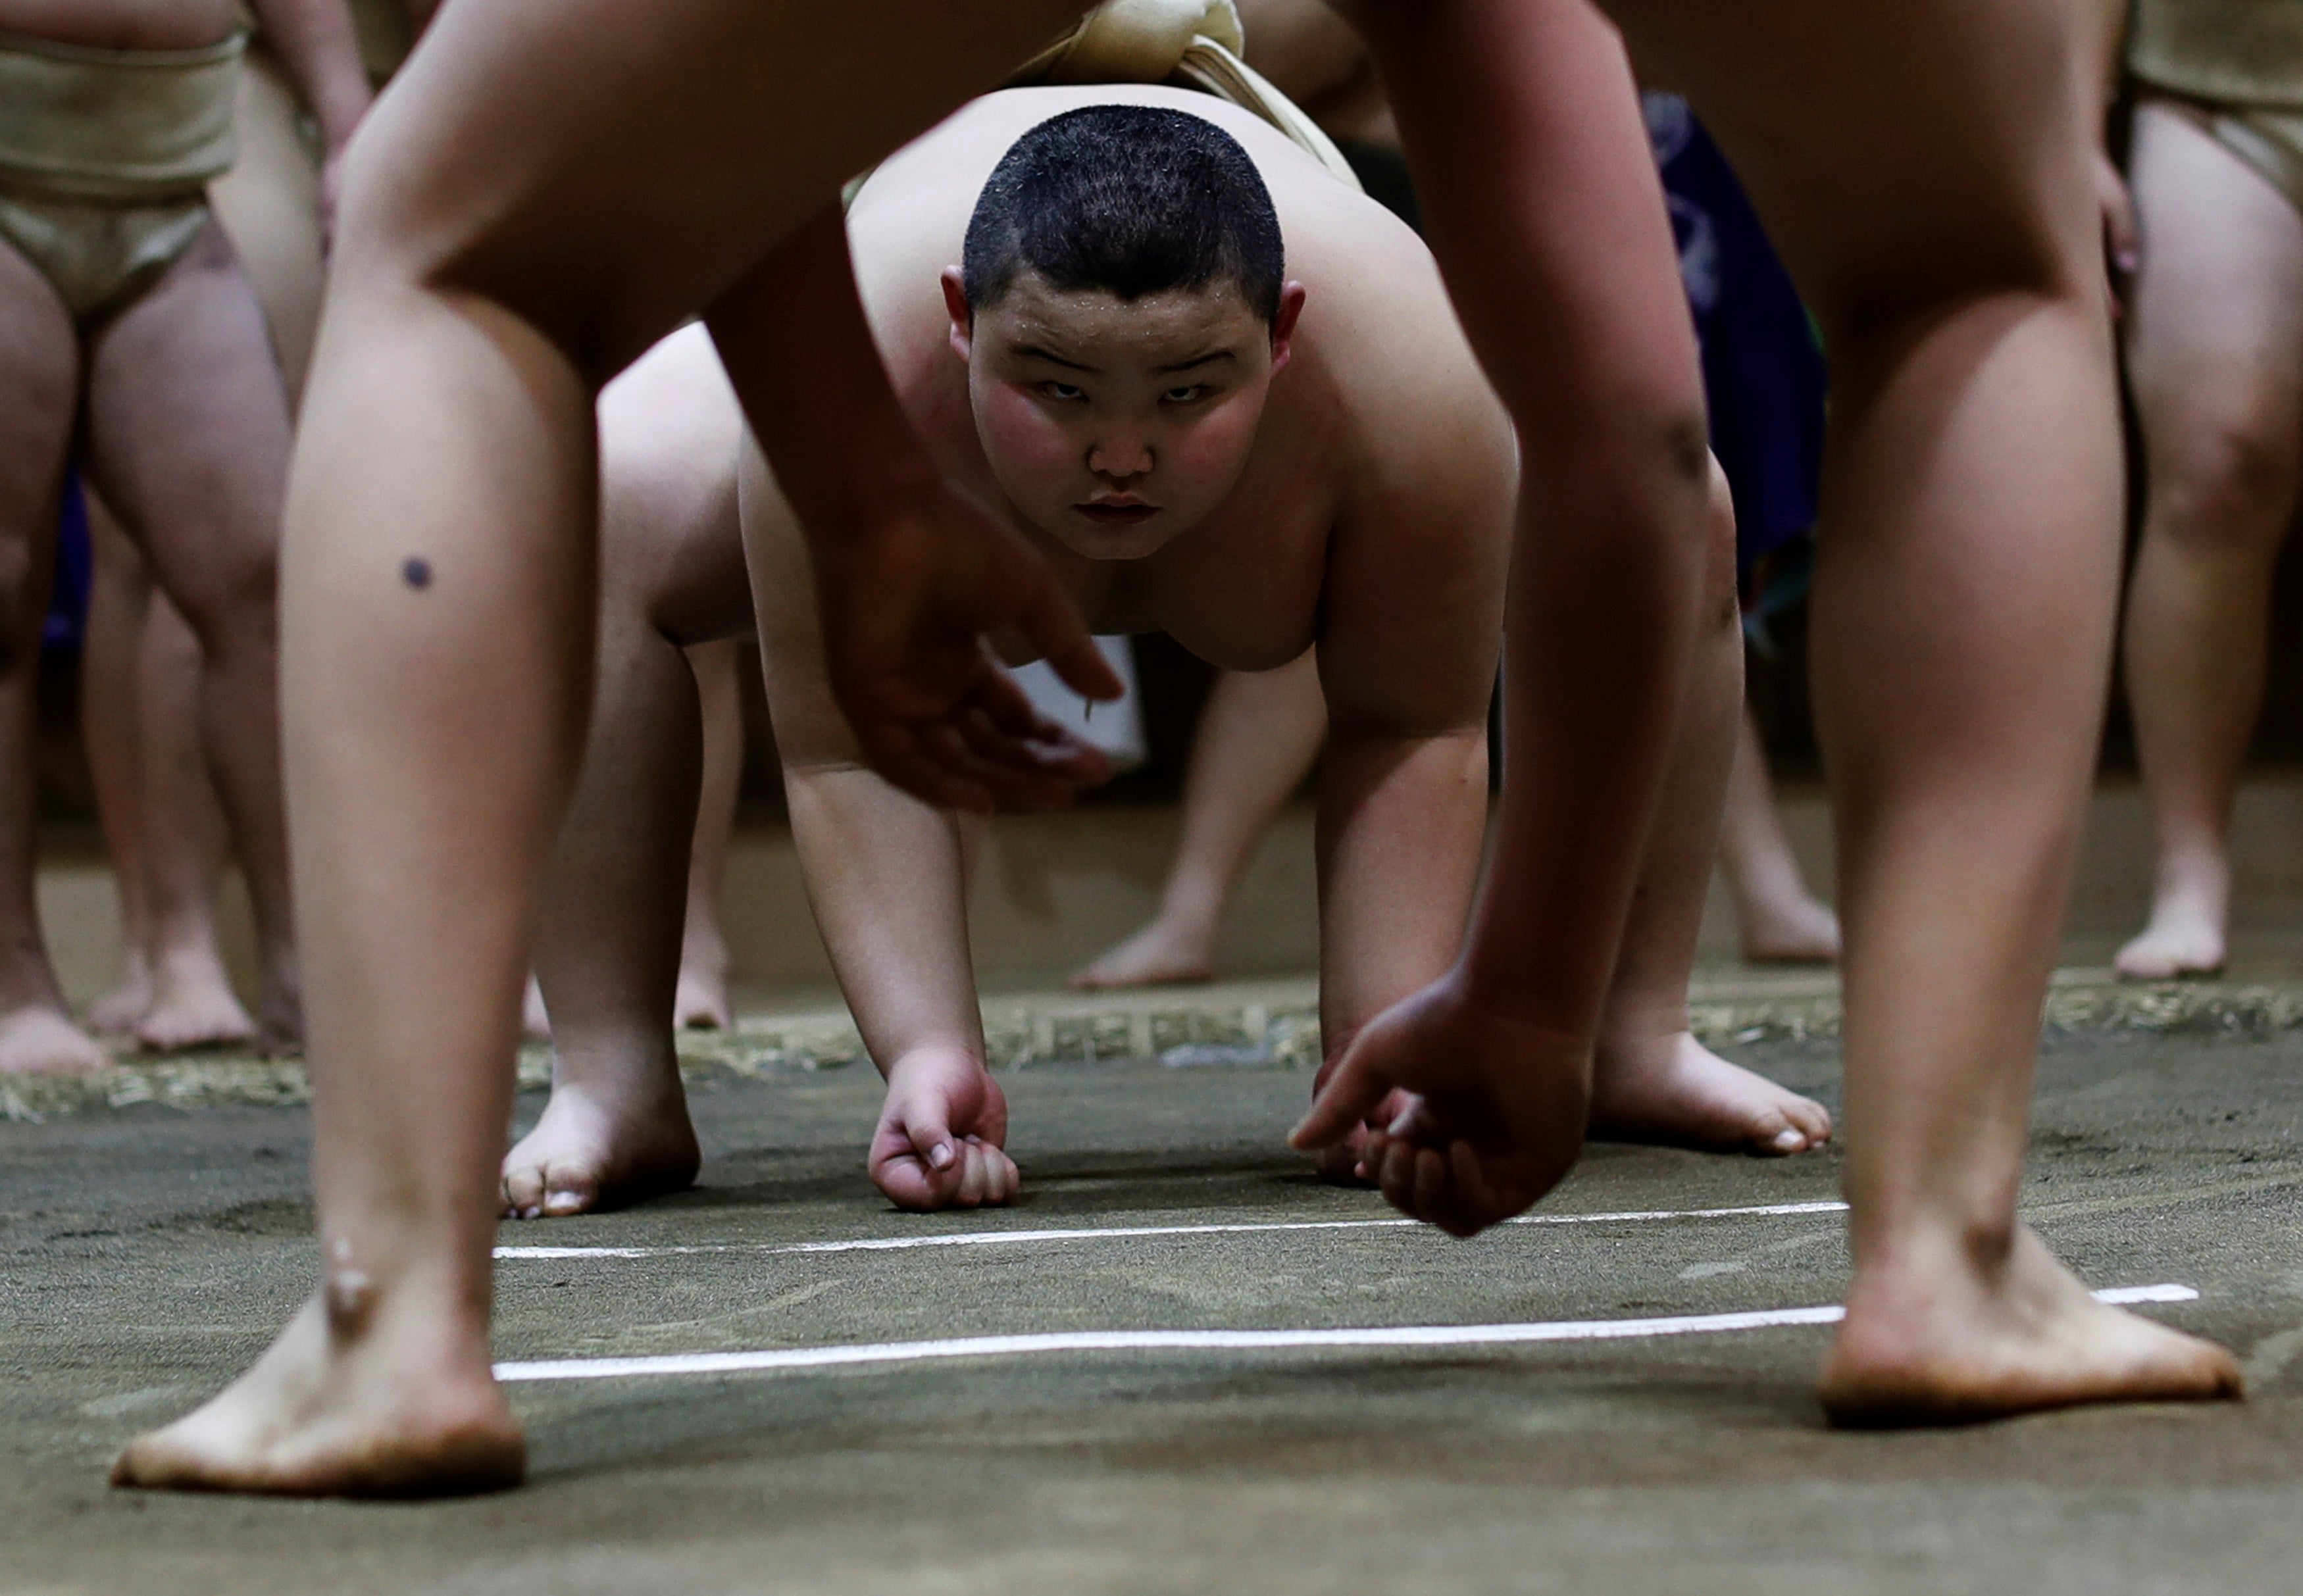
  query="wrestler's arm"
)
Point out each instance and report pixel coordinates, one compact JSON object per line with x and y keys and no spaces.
{"x":320,"y":48}
{"x":1412,"y":617}
{"x":910,"y":573}
{"x":884,"y":872}
{"x":1522,"y":125}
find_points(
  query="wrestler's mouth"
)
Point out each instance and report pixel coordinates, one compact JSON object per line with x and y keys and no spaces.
{"x":1125,"y":510}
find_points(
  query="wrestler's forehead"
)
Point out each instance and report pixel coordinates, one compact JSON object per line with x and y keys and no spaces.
{"x":1172,"y":324}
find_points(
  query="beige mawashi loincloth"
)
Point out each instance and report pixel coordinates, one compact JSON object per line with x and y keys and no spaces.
{"x":1191,"y":44}
{"x":105,"y":157}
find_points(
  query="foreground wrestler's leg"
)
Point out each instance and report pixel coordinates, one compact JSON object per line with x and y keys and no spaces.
{"x":119,"y":598}
{"x":188,"y":441}
{"x":185,"y":833}
{"x":700,"y":1001}
{"x":437,"y":584}
{"x":1777,"y":917}
{"x":2216,"y":346}
{"x":1651,"y":1081}
{"x":40,"y":379}
{"x":1964,"y":613}
{"x":1257,"y":739}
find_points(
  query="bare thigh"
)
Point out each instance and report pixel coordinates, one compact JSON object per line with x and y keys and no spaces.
{"x":1901,"y":154}
{"x":188,"y":435}
{"x":2216,"y":339}
{"x":269,"y":204}
{"x":39,"y":398}
{"x":605,"y":169}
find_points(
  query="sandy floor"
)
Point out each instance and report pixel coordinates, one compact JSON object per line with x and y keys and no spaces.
{"x":151,"y":1251}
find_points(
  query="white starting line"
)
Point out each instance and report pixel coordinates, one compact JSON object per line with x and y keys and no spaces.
{"x":1131,"y":1232}
{"x":793,"y":1359}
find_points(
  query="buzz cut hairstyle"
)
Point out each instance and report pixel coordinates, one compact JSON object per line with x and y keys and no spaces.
{"x":1130,"y":199}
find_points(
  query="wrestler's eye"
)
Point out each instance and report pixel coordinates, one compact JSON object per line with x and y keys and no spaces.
{"x":1063,"y":390}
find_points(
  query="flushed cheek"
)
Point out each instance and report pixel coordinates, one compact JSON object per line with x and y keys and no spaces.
{"x":1201,"y":462}
{"x":1025,"y":445}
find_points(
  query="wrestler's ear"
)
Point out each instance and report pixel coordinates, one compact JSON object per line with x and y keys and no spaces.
{"x":963,"y":318}
{"x":1283,"y":326}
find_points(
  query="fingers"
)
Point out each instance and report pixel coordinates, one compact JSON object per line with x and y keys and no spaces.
{"x":894,"y":751}
{"x":989,"y":747}
{"x":1053,"y":625}
{"x":980,"y":1175}
{"x":1343,"y":1103}
{"x":1034,"y":743}
{"x":930,"y":1136}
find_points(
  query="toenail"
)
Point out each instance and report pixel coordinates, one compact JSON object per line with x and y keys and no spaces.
{"x":1790,"y":1141}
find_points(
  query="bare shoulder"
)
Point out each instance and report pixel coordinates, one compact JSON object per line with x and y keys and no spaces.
{"x":1426,"y":429}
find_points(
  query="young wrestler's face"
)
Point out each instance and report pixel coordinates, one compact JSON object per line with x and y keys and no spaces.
{"x":1111,"y":426}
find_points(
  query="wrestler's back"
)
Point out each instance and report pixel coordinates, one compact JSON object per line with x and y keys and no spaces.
{"x":121,"y":24}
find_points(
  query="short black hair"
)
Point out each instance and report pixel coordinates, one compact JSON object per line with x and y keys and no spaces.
{"x":1133,"y":199}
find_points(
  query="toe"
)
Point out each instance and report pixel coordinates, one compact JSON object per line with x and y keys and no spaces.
{"x":569,"y":1192}
{"x":523,"y":1191}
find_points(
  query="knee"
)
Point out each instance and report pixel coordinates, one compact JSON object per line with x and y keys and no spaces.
{"x":2219,"y":480}
{"x":231,"y":600}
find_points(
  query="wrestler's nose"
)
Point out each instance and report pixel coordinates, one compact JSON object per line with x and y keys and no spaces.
{"x":1119,"y":460}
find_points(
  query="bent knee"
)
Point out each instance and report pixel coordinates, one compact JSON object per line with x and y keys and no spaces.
{"x":229,"y":599}
{"x":2223,"y":484}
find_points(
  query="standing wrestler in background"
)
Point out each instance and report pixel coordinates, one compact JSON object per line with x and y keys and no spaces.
{"x":2215,"y":347}
{"x":163,"y":822}
{"x":130,"y":324}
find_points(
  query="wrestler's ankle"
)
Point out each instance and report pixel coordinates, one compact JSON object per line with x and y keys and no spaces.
{"x":27,"y":981}
{"x":1944,"y":1240}
{"x":632,"y":1067}
{"x":372,"y":1288}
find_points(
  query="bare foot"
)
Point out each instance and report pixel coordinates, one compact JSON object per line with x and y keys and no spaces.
{"x":942,"y":1134}
{"x":2185,"y":937}
{"x":192,"y":1006}
{"x":39,"y":1040}
{"x":1789,"y":930}
{"x":535,"y":1024}
{"x":379,"y":1403}
{"x":116,"y":1013}
{"x":700,"y":1003}
{"x":1955,"y":1343}
{"x":1162,"y":954}
{"x":1673,"y":1091}
{"x":593,"y":1151}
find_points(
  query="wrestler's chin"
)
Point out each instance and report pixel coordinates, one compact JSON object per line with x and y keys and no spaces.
{"x":1095,"y":533}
